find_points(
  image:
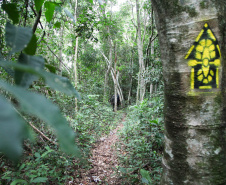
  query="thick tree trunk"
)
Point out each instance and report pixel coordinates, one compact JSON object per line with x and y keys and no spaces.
{"x":195,"y":118}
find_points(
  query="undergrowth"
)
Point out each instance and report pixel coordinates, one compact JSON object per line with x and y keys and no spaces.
{"x":141,"y":143}
{"x":43,"y":162}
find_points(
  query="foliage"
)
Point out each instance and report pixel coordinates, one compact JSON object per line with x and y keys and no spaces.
{"x":31,"y":90}
{"x":46,"y":165}
{"x":25,"y":71}
{"x":141,"y":142}
{"x":94,"y":119}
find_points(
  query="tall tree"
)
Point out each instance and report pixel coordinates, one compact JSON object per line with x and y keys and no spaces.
{"x":195,"y":81}
{"x":140,"y":54}
{"x":76,"y":56}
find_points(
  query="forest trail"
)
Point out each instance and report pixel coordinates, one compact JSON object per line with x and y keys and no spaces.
{"x":104,"y":160}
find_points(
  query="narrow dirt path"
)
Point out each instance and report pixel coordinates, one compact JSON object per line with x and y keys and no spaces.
{"x":104,"y":161}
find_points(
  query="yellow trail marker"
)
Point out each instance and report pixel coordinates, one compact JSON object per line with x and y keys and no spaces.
{"x":204,"y":60}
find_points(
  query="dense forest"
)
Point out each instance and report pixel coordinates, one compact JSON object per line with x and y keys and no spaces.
{"x":112,"y":92}
{"x":62,"y":65}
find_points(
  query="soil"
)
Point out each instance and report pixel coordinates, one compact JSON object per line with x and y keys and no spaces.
{"x":104,"y":162}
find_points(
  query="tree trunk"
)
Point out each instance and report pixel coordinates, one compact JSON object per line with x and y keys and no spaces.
{"x":151,"y":53}
{"x":195,"y":82}
{"x":140,"y":54}
{"x":151,"y":89}
{"x":131,"y":79}
{"x":115,"y":80}
{"x":76,"y":57}
{"x":61,"y":50}
{"x":109,"y":65}
{"x":138,"y":89}
{"x":115,"y":84}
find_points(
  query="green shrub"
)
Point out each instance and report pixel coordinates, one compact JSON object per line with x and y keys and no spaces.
{"x":142,"y":141}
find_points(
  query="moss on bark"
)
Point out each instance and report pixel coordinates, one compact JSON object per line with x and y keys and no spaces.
{"x":195,"y":123}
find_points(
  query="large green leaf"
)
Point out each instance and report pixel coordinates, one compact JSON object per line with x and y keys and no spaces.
{"x":32,"y":46}
{"x":50,"y":7}
{"x":68,"y":13}
{"x":51,"y":68}
{"x":12,"y":130}
{"x":61,"y":84}
{"x":18,"y":181}
{"x":38,"y":105}
{"x":25,"y":79}
{"x":55,"y":82}
{"x":145,"y":176}
{"x":57,"y":25}
{"x":11,"y":10}
{"x":38,"y":4}
{"x":39,"y":179}
{"x":17,"y":37}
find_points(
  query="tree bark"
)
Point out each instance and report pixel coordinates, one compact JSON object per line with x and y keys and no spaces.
{"x":109,"y":66}
{"x":195,"y":119}
{"x":75,"y":58}
{"x":115,"y":85}
{"x":115,"y":80}
{"x":61,"y":50}
{"x":141,"y":81}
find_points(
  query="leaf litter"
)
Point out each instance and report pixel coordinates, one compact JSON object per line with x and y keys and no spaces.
{"x":104,"y":162}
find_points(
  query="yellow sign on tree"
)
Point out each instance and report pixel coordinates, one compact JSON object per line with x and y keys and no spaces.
{"x":204,"y":58}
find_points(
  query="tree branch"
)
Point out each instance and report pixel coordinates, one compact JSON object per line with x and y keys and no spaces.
{"x":37,"y":20}
{"x":42,"y":134}
{"x":25,"y":18}
{"x":35,"y":128}
{"x":56,"y":56}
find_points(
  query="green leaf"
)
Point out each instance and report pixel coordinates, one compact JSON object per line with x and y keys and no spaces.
{"x":12,"y":130}
{"x":22,"y":166}
{"x":57,"y":25}
{"x":32,"y":46}
{"x":37,"y":155}
{"x":51,"y":68}
{"x":61,"y":84}
{"x":38,"y":105}
{"x":11,"y":10}
{"x":55,"y":82}
{"x":58,"y":7}
{"x":46,"y":153}
{"x":68,"y":13}
{"x":145,"y":176}
{"x":39,"y":179}
{"x":50,"y":7}
{"x":38,"y":4}
{"x":17,"y":37}
{"x":25,"y":79}
{"x":17,"y":181}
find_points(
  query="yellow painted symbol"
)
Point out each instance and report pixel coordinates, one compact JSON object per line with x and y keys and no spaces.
{"x":204,"y":60}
